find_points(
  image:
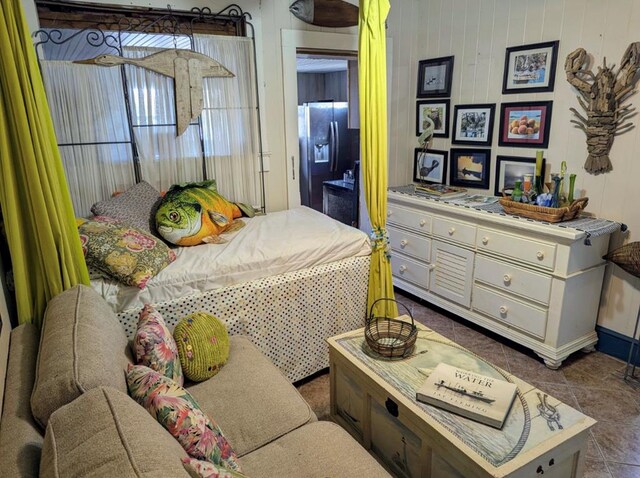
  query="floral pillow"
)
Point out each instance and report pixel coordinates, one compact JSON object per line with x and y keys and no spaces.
{"x":206,"y":469}
{"x":177,"y":411}
{"x":155,"y":347}
{"x":124,"y":253}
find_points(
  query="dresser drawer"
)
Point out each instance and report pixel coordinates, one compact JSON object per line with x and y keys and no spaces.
{"x":411,"y":218}
{"x":510,"y":311}
{"x":409,"y":270}
{"x":541,"y":254}
{"x":513,"y":279}
{"x":411,"y":244}
{"x":454,"y":230}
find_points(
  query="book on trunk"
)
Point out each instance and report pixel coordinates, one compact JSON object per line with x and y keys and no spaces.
{"x":478,"y":397}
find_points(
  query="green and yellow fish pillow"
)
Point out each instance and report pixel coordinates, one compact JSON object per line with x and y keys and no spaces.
{"x":193,"y":213}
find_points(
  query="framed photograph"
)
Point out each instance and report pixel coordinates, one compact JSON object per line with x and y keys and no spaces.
{"x":530,"y":68}
{"x":430,"y":166}
{"x":473,"y":124}
{"x":470,"y":167}
{"x":434,"y":77}
{"x":525,"y":125}
{"x":438,"y":111}
{"x":510,"y":169}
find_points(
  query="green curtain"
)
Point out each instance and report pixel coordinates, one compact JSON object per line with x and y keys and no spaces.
{"x":372,"y":71}
{"x":45,"y":249}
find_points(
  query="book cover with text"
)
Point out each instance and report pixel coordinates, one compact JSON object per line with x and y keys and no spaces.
{"x":478,"y":397}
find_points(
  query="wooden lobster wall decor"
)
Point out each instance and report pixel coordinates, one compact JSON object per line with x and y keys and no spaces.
{"x":601,"y":96}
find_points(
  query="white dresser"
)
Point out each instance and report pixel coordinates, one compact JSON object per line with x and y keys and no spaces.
{"x":536,"y":284}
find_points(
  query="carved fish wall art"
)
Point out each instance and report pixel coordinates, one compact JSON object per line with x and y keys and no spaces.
{"x":186,"y":67}
{"x":326,"y":13}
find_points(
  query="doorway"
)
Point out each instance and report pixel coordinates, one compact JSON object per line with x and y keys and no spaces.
{"x":328,"y":133}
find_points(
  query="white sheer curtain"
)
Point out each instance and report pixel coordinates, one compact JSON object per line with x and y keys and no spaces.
{"x":229,"y":119}
{"x":87,"y":106}
{"x":165,"y":158}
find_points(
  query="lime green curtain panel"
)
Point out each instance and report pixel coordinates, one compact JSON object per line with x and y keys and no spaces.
{"x":372,"y":71}
{"x":45,"y":248}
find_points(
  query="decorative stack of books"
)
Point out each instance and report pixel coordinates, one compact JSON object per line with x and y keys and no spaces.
{"x":483,"y":399}
{"x":441,"y":190}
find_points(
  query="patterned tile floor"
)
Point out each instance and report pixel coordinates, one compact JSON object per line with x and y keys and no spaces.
{"x":590,"y":382}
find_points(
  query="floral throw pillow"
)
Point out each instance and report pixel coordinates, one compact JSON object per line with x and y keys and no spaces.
{"x":155,"y":347}
{"x":206,"y":469}
{"x":176,"y":410}
{"x":124,"y":253}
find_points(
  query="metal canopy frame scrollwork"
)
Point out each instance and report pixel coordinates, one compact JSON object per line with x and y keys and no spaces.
{"x":108,"y":36}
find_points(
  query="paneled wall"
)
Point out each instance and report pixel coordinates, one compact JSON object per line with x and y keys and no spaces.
{"x":477,"y":32}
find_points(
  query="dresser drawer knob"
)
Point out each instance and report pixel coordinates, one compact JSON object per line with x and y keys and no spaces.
{"x":485,"y":240}
{"x":507,"y":279}
{"x":403,"y":243}
{"x":422,"y":222}
{"x":503,"y":309}
{"x":452,"y":230}
{"x":402,"y":268}
{"x":540,"y":255}
{"x":389,"y":213}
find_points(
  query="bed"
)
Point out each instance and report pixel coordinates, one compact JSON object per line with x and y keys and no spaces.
{"x":288,"y":280}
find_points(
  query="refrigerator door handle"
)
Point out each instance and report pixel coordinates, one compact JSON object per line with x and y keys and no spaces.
{"x":336,"y":152}
{"x":332,"y":145}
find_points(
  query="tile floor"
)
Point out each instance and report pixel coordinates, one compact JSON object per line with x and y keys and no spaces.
{"x":591,"y":383}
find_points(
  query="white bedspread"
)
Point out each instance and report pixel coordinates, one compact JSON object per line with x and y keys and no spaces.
{"x":268,"y":245}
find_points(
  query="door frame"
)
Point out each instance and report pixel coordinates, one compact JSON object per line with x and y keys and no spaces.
{"x":292,"y":40}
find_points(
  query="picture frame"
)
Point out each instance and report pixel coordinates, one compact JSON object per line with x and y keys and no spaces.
{"x":470,"y":167}
{"x":438,"y":111}
{"x":511,"y":168}
{"x":530,"y":68}
{"x":525,"y":124}
{"x":434,"y":77}
{"x":473,"y":124}
{"x":424,"y":168}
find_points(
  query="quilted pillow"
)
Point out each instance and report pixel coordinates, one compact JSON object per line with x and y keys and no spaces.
{"x":177,"y":411}
{"x":203,"y":345}
{"x":124,"y":253}
{"x":154,"y":346}
{"x":205,"y":469}
{"x":135,"y":207}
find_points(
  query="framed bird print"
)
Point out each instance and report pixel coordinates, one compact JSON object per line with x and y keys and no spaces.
{"x":430,"y":166}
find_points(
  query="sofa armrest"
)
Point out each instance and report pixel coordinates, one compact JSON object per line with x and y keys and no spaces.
{"x":20,"y":437}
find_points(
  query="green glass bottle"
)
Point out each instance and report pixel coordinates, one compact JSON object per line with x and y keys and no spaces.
{"x":538,"y":183}
{"x":516,"y":195}
{"x":572,"y":183}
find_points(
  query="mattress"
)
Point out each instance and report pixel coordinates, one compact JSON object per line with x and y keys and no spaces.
{"x":269,"y":245}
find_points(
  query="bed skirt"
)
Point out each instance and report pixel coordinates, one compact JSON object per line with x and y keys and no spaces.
{"x":287,"y":316}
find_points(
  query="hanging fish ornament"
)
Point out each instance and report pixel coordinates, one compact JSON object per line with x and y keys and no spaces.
{"x":326,"y":13}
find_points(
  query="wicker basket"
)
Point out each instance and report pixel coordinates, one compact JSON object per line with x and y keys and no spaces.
{"x":541,"y":213}
{"x":390,"y":338}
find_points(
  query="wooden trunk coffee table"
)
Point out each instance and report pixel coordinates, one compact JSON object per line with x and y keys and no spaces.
{"x":374,"y":399}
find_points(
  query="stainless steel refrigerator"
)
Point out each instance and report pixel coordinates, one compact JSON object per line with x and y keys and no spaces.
{"x":328,"y":147}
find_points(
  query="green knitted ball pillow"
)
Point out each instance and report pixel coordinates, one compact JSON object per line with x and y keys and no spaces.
{"x":203,"y":345}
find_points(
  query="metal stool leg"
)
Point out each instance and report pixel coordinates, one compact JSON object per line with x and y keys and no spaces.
{"x":633,"y":358}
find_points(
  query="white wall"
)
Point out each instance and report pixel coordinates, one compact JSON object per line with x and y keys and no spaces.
{"x":477,"y":33}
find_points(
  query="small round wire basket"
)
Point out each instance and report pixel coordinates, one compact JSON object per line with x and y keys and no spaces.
{"x":390,"y":338}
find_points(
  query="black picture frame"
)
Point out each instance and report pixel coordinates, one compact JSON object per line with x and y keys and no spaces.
{"x":438,"y":111}
{"x":470,"y":167}
{"x":473,"y":124}
{"x":510,"y":168}
{"x":434,"y":77}
{"x":534,"y":132}
{"x":530,"y":68}
{"x":436,"y":175}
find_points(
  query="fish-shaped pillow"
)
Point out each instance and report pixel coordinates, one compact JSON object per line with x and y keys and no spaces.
{"x":193,"y":213}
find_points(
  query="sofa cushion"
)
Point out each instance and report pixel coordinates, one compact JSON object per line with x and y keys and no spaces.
{"x":82,"y":346}
{"x":20,"y":436}
{"x":154,"y":346}
{"x":106,"y":433}
{"x":136,"y":207}
{"x":203,"y":345}
{"x":176,"y":410}
{"x":252,"y":401}
{"x":316,"y":450}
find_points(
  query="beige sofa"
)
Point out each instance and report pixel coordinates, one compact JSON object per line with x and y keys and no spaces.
{"x":71,"y":382}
